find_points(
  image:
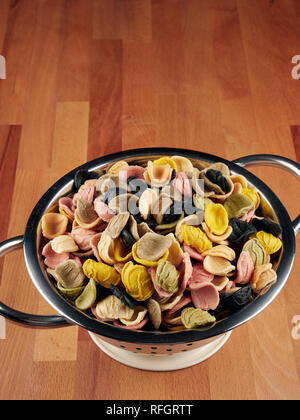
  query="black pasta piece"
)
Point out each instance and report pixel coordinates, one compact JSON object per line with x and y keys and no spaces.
{"x":221,"y":307}
{"x":241,"y":230}
{"x":112,"y":193}
{"x":235,"y":301}
{"x":267,"y":225}
{"x":173,"y":212}
{"x":81,"y":176}
{"x":151,"y":222}
{"x":216,"y":177}
{"x":127,"y":238}
{"x":123,"y":296}
{"x":173,"y":175}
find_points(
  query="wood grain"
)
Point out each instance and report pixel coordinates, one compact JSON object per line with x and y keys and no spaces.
{"x":91,"y":77}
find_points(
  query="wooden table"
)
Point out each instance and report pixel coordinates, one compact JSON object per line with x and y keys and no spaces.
{"x":86,"y":78}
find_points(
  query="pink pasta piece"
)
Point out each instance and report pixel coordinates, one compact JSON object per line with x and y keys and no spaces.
{"x":247,"y":217}
{"x":132,"y":327}
{"x":193,"y":253}
{"x":186,"y":271}
{"x":83,"y":237}
{"x":185,"y":300}
{"x":161,"y":292}
{"x":52,"y":258}
{"x":205,"y":297}
{"x":199,"y":276}
{"x":94,"y":244}
{"x":103,"y":211}
{"x":183,"y":184}
{"x":245,"y":268}
{"x":86,"y":193}
{"x":137,"y":171}
{"x":66,"y":204}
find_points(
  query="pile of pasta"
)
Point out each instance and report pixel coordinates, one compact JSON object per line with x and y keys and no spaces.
{"x":166,"y":244}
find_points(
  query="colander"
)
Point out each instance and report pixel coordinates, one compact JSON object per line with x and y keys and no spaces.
{"x":151,"y":350}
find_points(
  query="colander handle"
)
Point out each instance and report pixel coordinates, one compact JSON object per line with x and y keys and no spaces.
{"x":28,"y":320}
{"x":278,"y":162}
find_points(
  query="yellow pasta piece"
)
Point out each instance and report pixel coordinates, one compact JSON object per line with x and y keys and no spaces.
{"x":216,"y":218}
{"x":253,"y":195}
{"x":166,"y":161}
{"x":102,"y":273}
{"x":193,"y":236}
{"x":137,"y":281}
{"x":269,"y":242}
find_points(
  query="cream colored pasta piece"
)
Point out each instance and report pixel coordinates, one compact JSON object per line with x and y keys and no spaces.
{"x":123,"y":203}
{"x":170,"y":302}
{"x":173,"y":193}
{"x":70,"y":274}
{"x":154,"y":312}
{"x":175,"y":251}
{"x":64,"y":243}
{"x":222,"y":197}
{"x":152,"y":246}
{"x":160,"y":206}
{"x":105,"y":182}
{"x":111,"y":307}
{"x":138,"y":316}
{"x":220,"y":251}
{"x":143,"y":228}
{"x":115,"y":168}
{"x":106,"y":248}
{"x":133,"y":227}
{"x":219,"y":239}
{"x":220,"y":282}
{"x":263,"y":277}
{"x":146,"y":201}
{"x":53,"y":224}
{"x":117,"y":224}
{"x":217,"y":265}
{"x":183,"y":165}
{"x":158,"y":175}
{"x":85,"y":215}
{"x":197,"y":183}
